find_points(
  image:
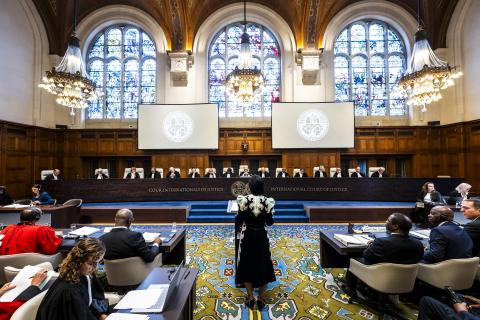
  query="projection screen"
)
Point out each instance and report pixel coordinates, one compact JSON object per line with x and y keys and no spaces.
{"x":173,"y":126}
{"x":313,"y":125}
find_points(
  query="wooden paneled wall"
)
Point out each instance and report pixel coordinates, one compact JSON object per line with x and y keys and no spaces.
{"x":452,"y":150}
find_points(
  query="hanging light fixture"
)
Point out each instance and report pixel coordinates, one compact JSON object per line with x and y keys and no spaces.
{"x":426,"y":74}
{"x":69,"y":80}
{"x":245,"y":82}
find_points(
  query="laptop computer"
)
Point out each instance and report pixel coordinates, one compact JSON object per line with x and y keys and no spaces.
{"x":167,"y":293}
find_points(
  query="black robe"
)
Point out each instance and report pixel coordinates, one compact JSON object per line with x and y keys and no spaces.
{"x":70,"y":301}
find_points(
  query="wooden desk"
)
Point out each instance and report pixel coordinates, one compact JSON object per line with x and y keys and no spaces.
{"x":334,"y":254}
{"x":173,"y":251}
{"x":60,"y":216}
{"x":182,"y":303}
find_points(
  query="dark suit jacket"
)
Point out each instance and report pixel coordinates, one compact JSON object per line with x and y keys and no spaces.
{"x":376,"y":174}
{"x":297,"y":175}
{"x":279,"y":175}
{"x":344,"y":175}
{"x":322,"y":173}
{"x":197,"y":175}
{"x":435,"y":196}
{"x":124,"y":243}
{"x":155,"y":176}
{"x":355,"y":175}
{"x":267,"y":174}
{"x":448,"y":241}
{"x":176,"y":174}
{"x":129,"y":175}
{"x":50,"y":177}
{"x":473,"y":230}
{"x":231,"y":175}
{"x":207,"y":175}
{"x":396,"y":248}
{"x":104,"y":176}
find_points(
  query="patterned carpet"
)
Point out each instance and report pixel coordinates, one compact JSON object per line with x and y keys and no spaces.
{"x":303,"y":289}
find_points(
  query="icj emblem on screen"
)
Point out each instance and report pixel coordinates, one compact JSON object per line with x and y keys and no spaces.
{"x":178,"y":126}
{"x":312,"y":125}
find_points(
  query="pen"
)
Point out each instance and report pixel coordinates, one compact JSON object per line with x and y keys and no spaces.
{"x":186,"y":275}
{"x":36,"y":274}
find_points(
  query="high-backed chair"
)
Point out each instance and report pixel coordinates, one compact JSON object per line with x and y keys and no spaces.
{"x":332,"y":171}
{"x":242,"y":168}
{"x":295,"y":171}
{"x":73,"y":202}
{"x":277,"y":171}
{"x":160,"y":170}
{"x":385,"y":278}
{"x":129,"y":271}
{"x":350,"y":171}
{"x":140,"y":171}
{"x":105,"y":171}
{"x":315,"y":169}
{"x":45,"y":173}
{"x":214,"y":170}
{"x":226,"y":168}
{"x":190,"y":170}
{"x":22,"y":259}
{"x":28,"y":310}
{"x":372,"y":170}
{"x":456,"y":273}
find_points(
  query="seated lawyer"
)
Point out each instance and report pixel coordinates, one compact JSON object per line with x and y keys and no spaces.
{"x":397,"y":247}
{"x":471,"y":211}
{"x":154,"y":174}
{"x":173,"y":174}
{"x":40,"y":197}
{"x":229,"y":173}
{"x":100,"y":174}
{"x":26,"y":237}
{"x":133,"y":174}
{"x":54,"y":176}
{"x":357,"y":173}
{"x":447,"y":239}
{"x":121,"y":242}
{"x":283,"y":173}
{"x":7,"y":309}
{"x":210,"y":174}
{"x":380,"y":173}
{"x":301,"y":174}
{"x":5,"y":198}
{"x":320,"y":173}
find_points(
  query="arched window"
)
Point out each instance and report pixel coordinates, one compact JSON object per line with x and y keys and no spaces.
{"x":122,"y":62}
{"x":369,"y":60}
{"x":223,"y":58}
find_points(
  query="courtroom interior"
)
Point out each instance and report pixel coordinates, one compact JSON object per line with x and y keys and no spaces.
{"x":283,"y":159}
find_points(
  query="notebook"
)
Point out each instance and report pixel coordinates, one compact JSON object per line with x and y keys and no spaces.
{"x":23,"y":280}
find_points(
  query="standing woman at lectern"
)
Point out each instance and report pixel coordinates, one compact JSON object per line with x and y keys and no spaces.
{"x":255,"y":267}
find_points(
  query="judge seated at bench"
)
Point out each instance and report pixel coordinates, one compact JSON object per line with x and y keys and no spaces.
{"x":245,"y":173}
{"x":54,"y":176}
{"x":210,"y":173}
{"x":357,"y":173}
{"x":133,"y":174}
{"x":154,"y":174}
{"x":172,"y":173}
{"x":100,"y":174}
{"x":193,"y":173}
{"x":339,"y":174}
{"x":300,"y":174}
{"x":27,"y":237}
{"x":380,"y":173}
{"x":228,"y":173}
{"x":283,"y":173}
{"x":263,"y":172}
{"x":320,"y":173}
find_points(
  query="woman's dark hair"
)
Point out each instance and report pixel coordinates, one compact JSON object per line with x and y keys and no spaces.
{"x":38,"y":186}
{"x":255,"y":184}
{"x":425,"y":186}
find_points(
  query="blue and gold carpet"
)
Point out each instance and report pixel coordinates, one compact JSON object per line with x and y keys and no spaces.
{"x":303,"y":289}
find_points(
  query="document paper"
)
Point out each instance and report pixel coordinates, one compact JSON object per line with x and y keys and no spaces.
{"x":139,"y":299}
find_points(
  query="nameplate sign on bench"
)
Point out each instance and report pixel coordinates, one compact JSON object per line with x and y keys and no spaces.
{"x":347,"y":240}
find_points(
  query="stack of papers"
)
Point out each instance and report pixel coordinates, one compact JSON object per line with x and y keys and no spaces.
{"x":23,"y":280}
{"x":84,"y":231}
{"x":347,"y":240}
{"x":374,"y":229}
{"x":127,"y":316}
{"x":17,"y":206}
{"x":140,"y":299}
{"x":422,"y":234}
{"x":150,"y":236}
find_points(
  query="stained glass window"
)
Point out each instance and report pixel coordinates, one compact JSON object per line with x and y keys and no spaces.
{"x":122,"y":63}
{"x":223,"y":58}
{"x":369,"y":59}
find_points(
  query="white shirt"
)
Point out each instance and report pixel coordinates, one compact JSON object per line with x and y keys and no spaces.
{"x":55,"y":177}
{"x":228,"y":175}
{"x":132,"y":175}
{"x":427,"y":198}
{"x":99,"y":176}
{"x":283,"y":174}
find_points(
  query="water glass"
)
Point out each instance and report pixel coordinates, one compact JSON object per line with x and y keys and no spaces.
{"x":73,"y":226}
{"x":174,"y":227}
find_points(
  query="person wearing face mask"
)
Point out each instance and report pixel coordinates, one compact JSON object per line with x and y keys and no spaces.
{"x":77,"y":294}
{"x":447,"y":239}
{"x":397,"y":247}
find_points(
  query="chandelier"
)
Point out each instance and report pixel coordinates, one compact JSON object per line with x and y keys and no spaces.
{"x":245,"y":82}
{"x":69,"y":80}
{"x":426,"y":74}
